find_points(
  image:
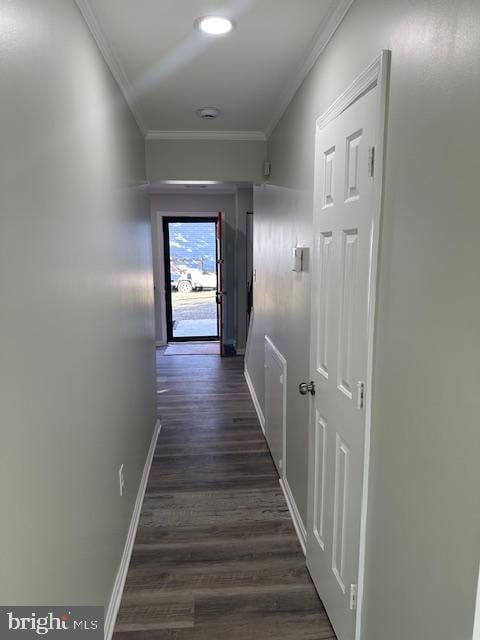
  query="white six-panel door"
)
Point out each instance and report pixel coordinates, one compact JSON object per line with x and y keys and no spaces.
{"x":343,"y":215}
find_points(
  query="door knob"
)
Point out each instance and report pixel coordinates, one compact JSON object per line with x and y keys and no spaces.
{"x":305,"y":388}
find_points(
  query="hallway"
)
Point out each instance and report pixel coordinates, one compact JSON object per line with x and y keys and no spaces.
{"x":216,"y":555}
{"x":334,"y":146}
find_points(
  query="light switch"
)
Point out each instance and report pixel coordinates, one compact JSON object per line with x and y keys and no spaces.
{"x":297,"y":261}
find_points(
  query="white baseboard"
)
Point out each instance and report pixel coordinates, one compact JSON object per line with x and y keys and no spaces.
{"x":256,"y":403}
{"x":240,"y":352}
{"x":116,"y":597}
{"x":294,"y":512}
{"x":476,"y":622}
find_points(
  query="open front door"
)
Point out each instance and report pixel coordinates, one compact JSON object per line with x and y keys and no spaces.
{"x":190,"y":245}
{"x":220,"y":282}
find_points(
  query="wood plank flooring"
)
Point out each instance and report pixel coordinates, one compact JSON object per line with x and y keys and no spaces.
{"x":216,"y":556}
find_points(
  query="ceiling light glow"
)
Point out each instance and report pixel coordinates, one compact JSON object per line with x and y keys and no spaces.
{"x":214,"y":25}
{"x":192,"y":182}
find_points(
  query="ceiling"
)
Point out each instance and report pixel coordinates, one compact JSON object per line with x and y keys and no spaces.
{"x":167,"y":69}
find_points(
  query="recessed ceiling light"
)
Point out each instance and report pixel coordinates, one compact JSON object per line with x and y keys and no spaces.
{"x":197,"y":183}
{"x":214,"y":25}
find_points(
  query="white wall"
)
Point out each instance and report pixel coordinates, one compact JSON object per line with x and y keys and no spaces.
{"x":224,"y":160}
{"x":281,"y":311}
{"x":76,"y":313}
{"x":424,"y":519}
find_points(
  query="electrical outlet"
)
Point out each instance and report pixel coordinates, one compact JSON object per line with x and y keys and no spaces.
{"x":121,"y":480}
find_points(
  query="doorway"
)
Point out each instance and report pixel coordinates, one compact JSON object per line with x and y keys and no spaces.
{"x":192,"y":278}
{"x":347,"y":207}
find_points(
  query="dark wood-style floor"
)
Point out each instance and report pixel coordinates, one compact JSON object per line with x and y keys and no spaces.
{"x":216,"y":556}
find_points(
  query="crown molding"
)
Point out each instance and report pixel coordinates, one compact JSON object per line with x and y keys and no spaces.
{"x":112,"y":62}
{"x":252,"y":136}
{"x":329,"y":25}
{"x":327,"y":28}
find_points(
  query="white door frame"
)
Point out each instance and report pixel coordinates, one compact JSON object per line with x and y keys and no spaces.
{"x":159,"y":265}
{"x":374,"y":76}
{"x":476,"y":621}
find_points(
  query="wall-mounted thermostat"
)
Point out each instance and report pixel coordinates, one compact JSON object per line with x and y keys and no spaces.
{"x":297,"y":262}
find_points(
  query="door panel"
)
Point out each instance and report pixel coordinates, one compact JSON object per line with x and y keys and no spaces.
{"x":349,"y":272}
{"x":275,"y":402}
{"x":341,"y":262}
{"x":320,"y":453}
{"x":324,"y":275}
{"x":341,"y":493}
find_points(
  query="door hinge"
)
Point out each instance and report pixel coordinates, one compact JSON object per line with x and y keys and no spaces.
{"x":371,"y":161}
{"x":360,"y":395}
{"x":353,"y":596}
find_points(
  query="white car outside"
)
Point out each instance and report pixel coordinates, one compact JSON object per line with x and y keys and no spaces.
{"x":195,"y":279}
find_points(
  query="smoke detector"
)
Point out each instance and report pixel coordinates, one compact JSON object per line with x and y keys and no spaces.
{"x":208,"y":113}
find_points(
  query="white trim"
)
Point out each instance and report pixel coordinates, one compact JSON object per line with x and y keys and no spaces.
{"x":159,"y":280}
{"x":112,"y":62}
{"x":295,"y":513}
{"x":327,"y":28}
{"x":252,"y":136}
{"x":117,"y":592}
{"x":249,"y":337}
{"x":362,"y":83}
{"x":476,"y":621}
{"x":240,"y":352}
{"x":380,"y":68}
{"x":255,"y":400}
{"x":277,"y":352}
